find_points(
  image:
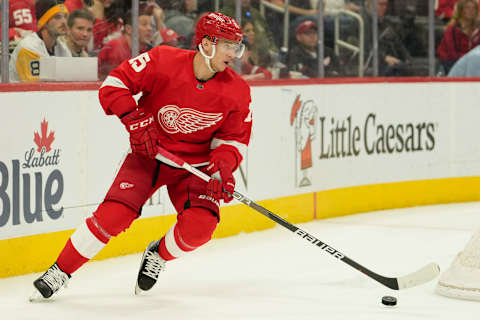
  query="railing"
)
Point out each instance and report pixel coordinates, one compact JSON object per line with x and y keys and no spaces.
{"x":4,"y":62}
{"x":286,"y":17}
{"x":264,"y":5}
{"x":357,"y":50}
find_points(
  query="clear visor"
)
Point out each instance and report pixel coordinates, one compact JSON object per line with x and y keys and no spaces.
{"x":228,"y":46}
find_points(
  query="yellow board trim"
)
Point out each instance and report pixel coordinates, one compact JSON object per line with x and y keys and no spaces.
{"x":36,"y":253}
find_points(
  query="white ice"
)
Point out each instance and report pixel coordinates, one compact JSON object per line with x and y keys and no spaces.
{"x":275,"y":275}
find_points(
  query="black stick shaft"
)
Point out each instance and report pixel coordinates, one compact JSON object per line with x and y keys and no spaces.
{"x":391,"y":283}
{"x":426,"y":273}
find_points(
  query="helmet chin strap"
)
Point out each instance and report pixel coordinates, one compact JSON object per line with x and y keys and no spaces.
{"x":207,"y":58}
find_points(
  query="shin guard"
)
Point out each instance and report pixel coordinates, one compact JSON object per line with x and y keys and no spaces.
{"x":90,"y":238}
{"x":194,"y":228}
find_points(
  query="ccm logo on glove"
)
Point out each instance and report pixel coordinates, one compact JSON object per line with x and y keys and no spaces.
{"x":144,"y":134}
{"x":140,"y":124}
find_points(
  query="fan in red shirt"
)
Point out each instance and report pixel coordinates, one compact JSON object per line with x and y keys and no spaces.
{"x":21,"y":18}
{"x":444,"y":9}
{"x":75,"y":4}
{"x":120,"y":49}
{"x":461,"y":35}
{"x":108,"y":22}
{"x":196,"y":107}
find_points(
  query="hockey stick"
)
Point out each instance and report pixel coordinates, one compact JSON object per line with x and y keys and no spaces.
{"x":421,"y":276}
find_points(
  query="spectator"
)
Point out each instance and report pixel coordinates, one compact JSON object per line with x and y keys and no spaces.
{"x":264,"y":39}
{"x":118,"y":50}
{"x":22,"y":21}
{"x":22,"y":17}
{"x":302,"y":10}
{"x":181,"y":17}
{"x":156,"y":12}
{"x":249,"y":69}
{"x":468,"y":65}
{"x":333,"y":7}
{"x":167,"y":37}
{"x":255,"y":51}
{"x":393,"y":56}
{"x":461,"y":35}
{"x":79,"y":32}
{"x":107,"y":25}
{"x":162,"y":35}
{"x":303,"y":57}
{"x":299,"y":11}
{"x":411,"y":33}
{"x":73,"y":5}
{"x":444,"y":9}
{"x":51,"y":22}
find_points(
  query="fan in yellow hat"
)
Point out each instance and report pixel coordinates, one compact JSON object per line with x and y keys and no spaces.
{"x":46,"y":9}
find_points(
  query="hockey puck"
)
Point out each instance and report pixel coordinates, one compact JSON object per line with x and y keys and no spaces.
{"x":389,"y":301}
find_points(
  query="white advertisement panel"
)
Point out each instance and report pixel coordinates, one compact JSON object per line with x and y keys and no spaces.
{"x":40,"y":158}
{"x":59,"y":155}
{"x":320,"y":137}
{"x":60,"y":152}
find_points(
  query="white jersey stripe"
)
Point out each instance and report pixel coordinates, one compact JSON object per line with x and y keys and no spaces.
{"x":113,"y":82}
{"x":242,"y":148}
{"x":85,"y":242}
{"x":171,"y":244}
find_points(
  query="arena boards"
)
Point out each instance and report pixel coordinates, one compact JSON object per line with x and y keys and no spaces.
{"x":318,"y":150}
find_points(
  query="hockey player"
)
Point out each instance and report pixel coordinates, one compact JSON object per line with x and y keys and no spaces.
{"x":193,"y":105}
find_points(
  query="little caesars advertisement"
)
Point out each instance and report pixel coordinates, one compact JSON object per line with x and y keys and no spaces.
{"x":343,"y":135}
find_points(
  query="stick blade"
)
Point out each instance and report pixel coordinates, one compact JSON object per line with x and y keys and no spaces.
{"x":421,"y":276}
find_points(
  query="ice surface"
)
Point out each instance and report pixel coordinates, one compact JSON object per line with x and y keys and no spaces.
{"x":275,"y":275}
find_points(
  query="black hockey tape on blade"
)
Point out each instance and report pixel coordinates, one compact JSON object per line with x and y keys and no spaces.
{"x":389,"y":301}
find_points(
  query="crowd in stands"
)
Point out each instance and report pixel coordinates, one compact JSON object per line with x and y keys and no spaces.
{"x":103,"y":29}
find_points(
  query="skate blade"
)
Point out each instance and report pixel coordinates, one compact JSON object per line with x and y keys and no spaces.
{"x":36,"y":297}
{"x":138,"y":291}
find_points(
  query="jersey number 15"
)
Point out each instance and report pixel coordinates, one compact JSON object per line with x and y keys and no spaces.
{"x":139,"y":62}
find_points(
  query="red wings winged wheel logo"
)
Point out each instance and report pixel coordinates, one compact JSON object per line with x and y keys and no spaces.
{"x":186,"y":120}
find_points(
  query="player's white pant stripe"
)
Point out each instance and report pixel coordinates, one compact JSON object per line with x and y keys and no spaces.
{"x":113,"y":82}
{"x":171,"y":244}
{"x":85,"y":242}
{"x":242,"y":148}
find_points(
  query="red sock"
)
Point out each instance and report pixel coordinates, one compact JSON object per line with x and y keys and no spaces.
{"x":163,"y":252}
{"x":69,"y":259}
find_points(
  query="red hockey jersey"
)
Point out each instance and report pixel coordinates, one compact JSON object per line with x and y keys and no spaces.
{"x":194,"y":117}
{"x":21,"y":15}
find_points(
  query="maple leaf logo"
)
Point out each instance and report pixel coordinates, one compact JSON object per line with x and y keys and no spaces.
{"x":44,"y":140}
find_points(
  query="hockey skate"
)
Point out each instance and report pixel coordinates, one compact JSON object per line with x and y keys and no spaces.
{"x":150,"y":267}
{"x":49,"y":283}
